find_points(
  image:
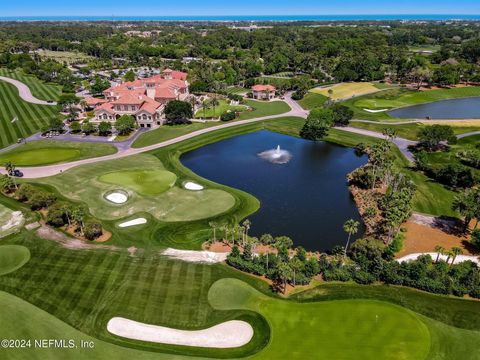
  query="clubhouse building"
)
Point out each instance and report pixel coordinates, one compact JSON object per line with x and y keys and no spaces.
{"x":144,"y":99}
{"x":263,"y":92}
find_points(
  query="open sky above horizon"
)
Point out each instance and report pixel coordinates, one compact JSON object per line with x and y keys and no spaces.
{"x":225,"y":7}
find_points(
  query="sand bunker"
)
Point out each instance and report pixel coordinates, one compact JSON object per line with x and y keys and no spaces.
{"x":117,"y":197}
{"x":375,"y":111}
{"x":15,"y":220}
{"x":230,"y":334}
{"x":138,"y":221}
{"x":190,"y":185}
{"x":196,"y":256}
{"x":458,"y":259}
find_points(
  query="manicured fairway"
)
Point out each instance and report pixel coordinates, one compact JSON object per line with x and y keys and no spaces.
{"x":144,"y":182}
{"x":347,"y":90}
{"x":47,"y":152}
{"x":19,"y":118}
{"x":176,"y":204}
{"x":312,"y":100}
{"x":264,"y":108}
{"x":12,"y":257}
{"x":351,"y":329}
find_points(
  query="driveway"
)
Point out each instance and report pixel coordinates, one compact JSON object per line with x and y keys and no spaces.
{"x":25,"y":92}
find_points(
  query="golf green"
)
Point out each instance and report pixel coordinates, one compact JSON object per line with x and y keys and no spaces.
{"x":12,"y":257}
{"x":343,"y":329}
{"x":145,"y":182}
{"x":41,"y":156}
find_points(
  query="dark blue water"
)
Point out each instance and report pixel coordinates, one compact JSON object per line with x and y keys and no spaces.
{"x":468,"y":108}
{"x":306,"y":199}
{"x":345,"y":17}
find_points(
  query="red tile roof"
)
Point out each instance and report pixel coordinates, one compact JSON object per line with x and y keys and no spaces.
{"x":91,"y":101}
{"x":262,"y":88}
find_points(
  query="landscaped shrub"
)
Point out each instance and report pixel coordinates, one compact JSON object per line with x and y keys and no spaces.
{"x":362,"y":178}
{"x":245,"y":265}
{"x":40,"y":200}
{"x":24,"y":192}
{"x":455,"y":175}
{"x":92,"y":230}
{"x":475,"y":240}
{"x":298,"y":95}
{"x":228,"y":116}
{"x":56,"y":215}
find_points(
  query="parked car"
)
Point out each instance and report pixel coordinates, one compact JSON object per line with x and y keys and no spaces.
{"x":20,"y":140}
{"x":16,"y":173}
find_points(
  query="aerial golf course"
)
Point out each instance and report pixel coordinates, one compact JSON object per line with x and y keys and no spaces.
{"x":66,"y":291}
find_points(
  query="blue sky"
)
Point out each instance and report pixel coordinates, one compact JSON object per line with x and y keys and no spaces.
{"x":233,"y":7}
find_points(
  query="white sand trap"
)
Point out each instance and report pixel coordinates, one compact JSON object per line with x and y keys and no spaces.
{"x":196,"y":256}
{"x":458,"y":259}
{"x":190,"y":185}
{"x":375,"y":111}
{"x":230,"y":334}
{"x":117,"y":198}
{"x":138,"y":221}
{"x":15,"y":220}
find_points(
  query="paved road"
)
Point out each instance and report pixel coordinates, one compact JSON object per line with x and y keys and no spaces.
{"x":415,"y":121}
{"x":25,"y":92}
{"x":472,"y":133}
{"x":401,"y":143}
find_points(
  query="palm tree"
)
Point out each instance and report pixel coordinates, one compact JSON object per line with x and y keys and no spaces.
{"x":465,"y":203}
{"x":440,"y":250}
{"x":78,"y":216}
{"x":246,"y":224}
{"x":213,"y":225}
{"x":351,"y":228}
{"x":456,"y":251}
{"x":297,"y":265}
{"x":285,"y":274}
{"x":449,"y":255}
{"x":6,"y":183}
{"x":10,"y":171}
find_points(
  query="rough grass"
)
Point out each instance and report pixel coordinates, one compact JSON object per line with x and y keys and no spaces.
{"x":30,"y":118}
{"x":68,"y":57}
{"x":48,"y":152}
{"x":143,"y":182}
{"x":347,"y":90}
{"x":176,"y":204}
{"x":12,"y":257}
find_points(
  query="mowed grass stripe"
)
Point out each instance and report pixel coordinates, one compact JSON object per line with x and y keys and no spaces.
{"x":155,"y":296}
{"x":7,"y":105}
{"x":16,"y":109}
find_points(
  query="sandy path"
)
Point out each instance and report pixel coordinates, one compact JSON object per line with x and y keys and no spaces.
{"x":230,"y":334}
{"x":196,"y":256}
{"x":458,"y":259}
{"x":25,"y":93}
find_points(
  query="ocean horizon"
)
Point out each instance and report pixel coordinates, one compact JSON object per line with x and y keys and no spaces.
{"x":254,"y":18}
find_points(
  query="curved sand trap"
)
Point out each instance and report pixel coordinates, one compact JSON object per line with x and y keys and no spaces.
{"x":117,"y":197}
{"x":375,"y":111}
{"x":230,"y":334}
{"x":138,"y":221}
{"x":196,"y":256}
{"x":15,"y":220}
{"x":190,"y":185}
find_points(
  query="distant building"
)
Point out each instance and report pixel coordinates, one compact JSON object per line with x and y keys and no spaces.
{"x":144,"y":99}
{"x":263,"y":92}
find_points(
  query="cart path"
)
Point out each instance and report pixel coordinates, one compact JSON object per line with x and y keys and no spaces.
{"x":25,"y":93}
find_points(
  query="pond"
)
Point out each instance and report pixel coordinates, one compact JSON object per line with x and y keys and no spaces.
{"x":306,"y":198}
{"x":466,"y":108}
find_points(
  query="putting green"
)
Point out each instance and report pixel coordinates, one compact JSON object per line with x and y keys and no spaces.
{"x":12,"y":257}
{"x":47,"y":152}
{"x":145,"y":182}
{"x":41,"y":156}
{"x":343,"y":329}
{"x":173,"y":204}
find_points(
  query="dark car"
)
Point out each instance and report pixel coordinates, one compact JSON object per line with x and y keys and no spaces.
{"x":16,"y":173}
